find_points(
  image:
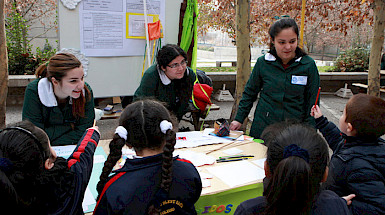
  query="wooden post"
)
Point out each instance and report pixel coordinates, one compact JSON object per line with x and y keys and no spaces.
{"x":3,"y":67}
{"x":376,"y":50}
{"x":302,"y":24}
{"x":243,"y":51}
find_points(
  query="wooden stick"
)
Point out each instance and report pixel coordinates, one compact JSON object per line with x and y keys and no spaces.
{"x":219,"y":148}
{"x":94,"y":123}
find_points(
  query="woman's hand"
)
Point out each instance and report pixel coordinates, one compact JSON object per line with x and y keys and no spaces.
{"x":349,"y":198}
{"x":316,"y":112}
{"x":235,"y":125}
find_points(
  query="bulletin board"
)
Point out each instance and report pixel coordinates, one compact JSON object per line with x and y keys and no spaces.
{"x":111,"y":76}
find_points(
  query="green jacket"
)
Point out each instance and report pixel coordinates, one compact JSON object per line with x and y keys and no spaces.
{"x":284,"y":93}
{"x":55,"y":121}
{"x":151,"y":86}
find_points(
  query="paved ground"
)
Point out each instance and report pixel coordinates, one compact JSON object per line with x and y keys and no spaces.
{"x":331,"y":105}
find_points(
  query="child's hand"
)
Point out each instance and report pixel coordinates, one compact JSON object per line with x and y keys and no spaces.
{"x":316,"y":112}
{"x":349,"y":198}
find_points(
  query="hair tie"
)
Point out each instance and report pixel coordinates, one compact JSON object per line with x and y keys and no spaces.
{"x":6,"y":165}
{"x":122,"y":132}
{"x":165,"y":125}
{"x":294,"y":150}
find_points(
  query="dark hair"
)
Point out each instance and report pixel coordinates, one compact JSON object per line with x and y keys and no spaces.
{"x":366,"y":113}
{"x":142,"y":121}
{"x":294,"y":182}
{"x":277,"y":27}
{"x":25,"y":147}
{"x":183,"y":86}
{"x":271,"y":131}
{"x":57,"y":67}
{"x":168,"y":53}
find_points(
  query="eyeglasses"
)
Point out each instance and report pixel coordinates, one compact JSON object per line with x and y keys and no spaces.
{"x":175,"y":65}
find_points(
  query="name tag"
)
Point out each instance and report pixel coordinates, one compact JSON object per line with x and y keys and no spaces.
{"x":300,"y":80}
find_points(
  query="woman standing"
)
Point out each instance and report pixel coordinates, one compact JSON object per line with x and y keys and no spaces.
{"x":286,"y":78}
{"x":169,"y":81}
{"x":59,"y":101}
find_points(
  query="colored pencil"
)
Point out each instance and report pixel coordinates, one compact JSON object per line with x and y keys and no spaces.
{"x":316,"y":100}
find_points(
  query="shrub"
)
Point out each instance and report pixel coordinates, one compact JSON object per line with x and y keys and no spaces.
{"x":353,"y":60}
{"x":21,"y":60}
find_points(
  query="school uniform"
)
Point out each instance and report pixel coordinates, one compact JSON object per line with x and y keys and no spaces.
{"x":284,"y":93}
{"x":132,"y":189}
{"x":155,"y":84}
{"x":357,"y":166}
{"x":327,"y":203}
{"x":63,"y":188}
{"x":41,"y":108}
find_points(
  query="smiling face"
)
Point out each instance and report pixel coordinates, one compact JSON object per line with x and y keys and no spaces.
{"x":285,"y":44}
{"x":176,"y":68}
{"x":70,"y":85}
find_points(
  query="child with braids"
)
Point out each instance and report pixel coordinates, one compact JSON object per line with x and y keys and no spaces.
{"x":153,"y":182}
{"x":296,"y":164}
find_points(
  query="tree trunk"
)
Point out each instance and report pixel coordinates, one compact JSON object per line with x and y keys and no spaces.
{"x":243,"y":51}
{"x":376,"y":50}
{"x":3,"y":67}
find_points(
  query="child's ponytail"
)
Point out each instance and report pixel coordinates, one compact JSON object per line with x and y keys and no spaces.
{"x":116,"y":146}
{"x":290,"y":187}
{"x":166,"y":175}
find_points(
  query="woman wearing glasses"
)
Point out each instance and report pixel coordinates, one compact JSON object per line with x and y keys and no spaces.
{"x":169,"y":80}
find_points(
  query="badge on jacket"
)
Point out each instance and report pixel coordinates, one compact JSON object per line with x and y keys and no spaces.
{"x":299,"y":80}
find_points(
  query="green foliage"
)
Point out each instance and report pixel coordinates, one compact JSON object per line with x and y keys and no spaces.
{"x":21,"y":60}
{"x":353,"y":60}
{"x":324,"y":68}
{"x":45,"y":54}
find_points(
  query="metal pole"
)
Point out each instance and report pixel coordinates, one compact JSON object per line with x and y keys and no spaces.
{"x":147,"y":37}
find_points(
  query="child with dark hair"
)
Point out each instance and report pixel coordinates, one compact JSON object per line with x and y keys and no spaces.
{"x":296,"y":164}
{"x":154,"y":181}
{"x":34,"y":180}
{"x":170,"y":80}
{"x":358,"y":161}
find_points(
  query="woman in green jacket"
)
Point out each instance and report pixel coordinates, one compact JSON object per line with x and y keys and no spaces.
{"x":59,"y":101}
{"x":169,"y":81}
{"x":286,"y":78}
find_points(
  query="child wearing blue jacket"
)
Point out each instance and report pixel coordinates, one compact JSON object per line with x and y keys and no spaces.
{"x":358,"y":161}
{"x":296,"y":164}
{"x":154,"y":182}
{"x":33,"y":180}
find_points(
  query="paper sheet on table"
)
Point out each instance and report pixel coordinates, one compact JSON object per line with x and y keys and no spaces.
{"x":260,"y":162}
{"x":196,"y":138}
{"x":237,"y":173}
{"x":197,"y":159}
{"x":233,"y":151}
{"x":64,"y":151}
{"x":88,"y":199}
